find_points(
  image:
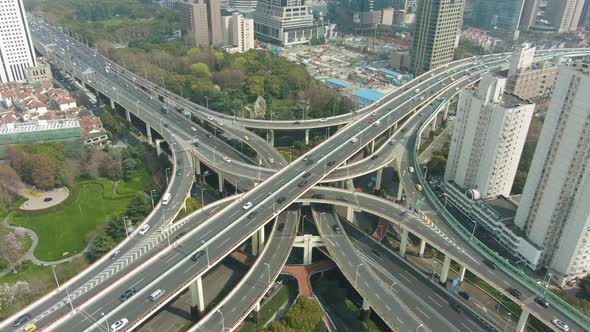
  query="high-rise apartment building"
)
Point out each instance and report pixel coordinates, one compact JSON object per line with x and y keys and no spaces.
{"x":530,"y":80}
{"x":16,"y":46}
{"x":565,"y":14}
{"x":499,"y":16}
{"x":529,"y":14}
{"x":285,"y":22}
{"x":238,"y":33}
{"x":554,"y":211}
{"x":201,"y":21}
{"x":438,"y":27}
{"x":488,"y":138}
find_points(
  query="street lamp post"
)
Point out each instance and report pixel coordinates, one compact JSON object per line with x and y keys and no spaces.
{"x":55,"y":275}
{"x":290,"y":147}
{"x":207,"y":100}
{"x":206,"y":251}
{"x":152,"y":197}
{"x":268,"y":269}
{"x":106,"y":320}
{"x":508,"y":321}
{"x":69,"y":299}
{"x":473,"y":232}
{"x":222,"y":320}
{"x":125,"y":225}
{"x":167,"y":169}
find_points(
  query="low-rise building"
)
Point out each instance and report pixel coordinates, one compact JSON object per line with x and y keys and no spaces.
{"x":238,"y":33}
{"x":92,"y":131}
{"x":40,"y":74}
{"x":480,"y":37}
{"x":365,"y":97}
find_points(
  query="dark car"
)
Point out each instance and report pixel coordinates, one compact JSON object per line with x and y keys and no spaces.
{"x":309,"y":162}
{"x":457,"y":307}
{"x":490,"y":264}
{"x":179,"y":235}
{"x":378,"y":254}
{"x":197,"y":256}
{"x":542,"y":302}
{"x":252,"y":214}
{"x":208,"y":135}
{"x":331,"y":162}
{"x":337,"y":229}
{"x":464,"y":295}
{"x":280,"y":227}
{"x":281,"y":200}
{"x":306,"y":175}
{"x":375,"y":156}
{"x":318,"y":196}
{"x":515,"y":292}
{"x":302,"y":184}
{"x":165,"y":125}
{"x":21,"y":320}
{"x":128,"y":293}
{"x":306,"y":158}
{"x":178,"y":172}
{"x":296,"y":122}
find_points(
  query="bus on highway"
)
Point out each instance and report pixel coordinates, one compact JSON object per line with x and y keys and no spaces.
{"x":166,"y":198}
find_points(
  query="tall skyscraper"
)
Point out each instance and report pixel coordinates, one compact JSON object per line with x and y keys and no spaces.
{"x":285,"y":22}
{"x":201,"y":21}
{"x":16,"y":46}
{"x":488,"y":138}
{"x":565,"y":14}
{"x":529,"y":14}
{"x":499,"y":16}
{"x":554,"y":211}
{"x":438,"y":25}
{"x":238,"y":33}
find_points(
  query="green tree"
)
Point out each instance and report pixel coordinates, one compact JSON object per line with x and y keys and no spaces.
{"x":585,"y":288}
{"x":519,"y":181}
{"x":139,"y":207}
{"x":436,"y":164}
{"x":200,"y":70}
{"x":255,"y":86}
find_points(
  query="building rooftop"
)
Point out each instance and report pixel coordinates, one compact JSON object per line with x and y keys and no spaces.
{"x":338,"y":82}
{"x":390,"y":72}
{"x":510,"y":100}
{"x":369,"y":94}
{"x":506,"y":209}
{"x":41,"y":125}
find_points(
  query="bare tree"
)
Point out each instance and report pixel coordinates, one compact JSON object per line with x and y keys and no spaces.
{"x":71,"y":170}
{"x":10,"y":183}
{"x":11,"y":246}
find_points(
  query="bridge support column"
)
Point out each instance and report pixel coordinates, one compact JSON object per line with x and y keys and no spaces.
{"x":128,"y":115}
{"x":400,"y":191}
{"x":462,"y":273}
{"x":446,"y":111}
{"x":422,"y":248}
{"x":372,"y":147}
{"x":379,"y":179}
{"x":272,"y":137}
{"x":158,"y":148}
{"x":404,"y":242}
{"x":148,"y":130}
{"x":256,"y":313}
{"x":444,"y":274}
{"x":306,"y":136}
{"x":307,"y":252}
{"x":197,"y":298}
{"x":365,"y":311}
{"x":433,"y":123}
{"x":112,"y":103}
{"x":350,"y":214}
{"x":220,"y":182}
{"x":524,"y":316}
{"x":197,"y":166}
{"x":258,"y":242}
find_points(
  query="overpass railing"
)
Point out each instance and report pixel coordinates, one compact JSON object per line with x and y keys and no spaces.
{"x":530,"y":283}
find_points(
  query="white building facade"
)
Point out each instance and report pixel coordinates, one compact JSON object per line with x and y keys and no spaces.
{"x":554,"y":211}
{"x":238,"y":33}
{"x":285,"y":22}
{"x":16,"y":46}
{"x":488,"y":138}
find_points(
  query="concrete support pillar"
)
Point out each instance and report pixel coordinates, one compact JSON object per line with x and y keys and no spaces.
{"x":197,"y":166}
{"x":422,"y":248}
{"x":306,"y":136}
{"x":462,"y":273}
{"x":444,"y":274}
{"x":404,"y":242}
{"x":256,"y":313}
{"x":258,"y":242}
{"x":433,"y":123}
{"x":379,"y":179}
{"x":524,"y":316}
{"x":112,"y":103}
{"x":148,"y":130}
{"x":349,"y":184}
{"x":446,"y":111}
{"x":128,"y":115}
{"x":158,"y":148}
{"x":365,"y":311}
{"x":272,"y":137}
{"x":350,"y":214}
{"x":400,"y":192}
{"x":307,"y":252}
{"x":220,"y":182}
{"x":197,"y":298}
{"x":372,"y":147}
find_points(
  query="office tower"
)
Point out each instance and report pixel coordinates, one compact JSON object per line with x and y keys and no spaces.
{"x":201,"y":21}
{"x":243,"y":6}
{"x":554,"y":211}
{"x":438,"y":25}
{"x":238,"y":33}
{"x":565,"y":14}
{"x":529,"y":14}
{"x":488,"y":138}
{"x":501,"y":17}
{"x":285,"y":22}
{"x":16,"y":46}
{"x":530,"y":80}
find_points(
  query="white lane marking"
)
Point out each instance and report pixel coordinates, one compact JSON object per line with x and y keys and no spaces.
{"x":223,"y":242}
{"x":440,"y":297}
{"x":406,"y":278}
{"x":422,"y":312}
{"x":399,"y":320}
{"x":137,"y":282}
{"x":377,"y":295}
{"x":438,"y":304}
{"x":388,"y":308}
{"x":190,"y":267}
{"x":171,"y":258}
{"x":408,"y":273}
{"x":468,"y":329}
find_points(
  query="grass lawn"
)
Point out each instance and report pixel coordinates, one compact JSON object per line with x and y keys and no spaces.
{"x":40,"y":280}
{"x":271,"y":307}
{"x":67,"y":227}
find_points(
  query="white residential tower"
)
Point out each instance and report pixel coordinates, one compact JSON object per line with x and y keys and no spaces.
{"x":16,"y":46}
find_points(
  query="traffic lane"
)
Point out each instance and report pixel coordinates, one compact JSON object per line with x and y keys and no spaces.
{"x":254,"y":285}
{"x":389,"y":265}
{"x":386,"y":304}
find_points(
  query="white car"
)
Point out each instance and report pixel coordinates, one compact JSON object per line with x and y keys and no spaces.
{"x":411,"y":169}
{"x":561,"y":325}
{"x":119,"y":325}
{"x":247,"y":205}
{"x":354,"y":140}
{"x":271,"y":160}
{"x":193,"y":129}
{"x":323,"y":120}
{"x":227,"y":159}
{"x":143,"y":229}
